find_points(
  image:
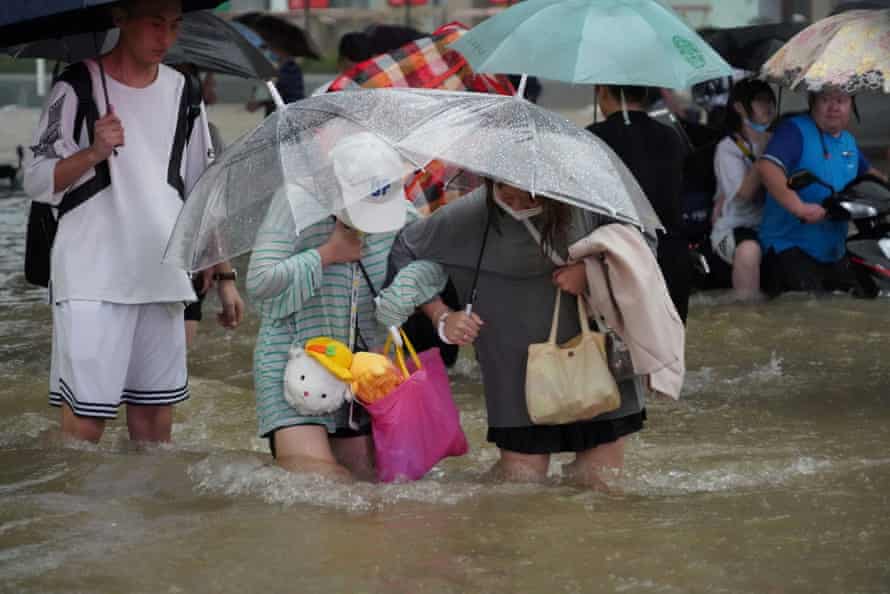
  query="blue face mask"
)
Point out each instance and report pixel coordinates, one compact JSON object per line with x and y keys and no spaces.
{"x":756,"y":127}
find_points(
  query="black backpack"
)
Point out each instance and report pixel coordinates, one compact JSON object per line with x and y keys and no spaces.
{"x":43,"y":219}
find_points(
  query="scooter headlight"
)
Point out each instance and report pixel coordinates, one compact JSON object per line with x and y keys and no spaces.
{"x":858,"y":210}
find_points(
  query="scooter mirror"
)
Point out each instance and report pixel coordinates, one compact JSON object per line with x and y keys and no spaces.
{"x":801,"y":180}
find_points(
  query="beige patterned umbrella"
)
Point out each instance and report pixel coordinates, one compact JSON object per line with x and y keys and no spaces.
{"x":850,"y":51}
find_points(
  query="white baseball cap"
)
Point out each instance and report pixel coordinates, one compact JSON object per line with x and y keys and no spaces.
{"x":367,"y":166}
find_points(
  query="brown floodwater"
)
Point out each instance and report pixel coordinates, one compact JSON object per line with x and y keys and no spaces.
{"x":770,"y":475}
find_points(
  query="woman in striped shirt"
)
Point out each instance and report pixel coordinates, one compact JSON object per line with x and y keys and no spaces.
{"x":303,"y":286}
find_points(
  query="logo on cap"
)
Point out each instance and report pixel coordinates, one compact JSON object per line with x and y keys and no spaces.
{"x":381,"y":188}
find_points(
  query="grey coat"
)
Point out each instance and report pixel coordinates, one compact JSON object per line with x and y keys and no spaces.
{"x":515,"y":294}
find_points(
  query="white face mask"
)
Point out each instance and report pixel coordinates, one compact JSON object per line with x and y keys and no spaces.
{"x":519,"y":215}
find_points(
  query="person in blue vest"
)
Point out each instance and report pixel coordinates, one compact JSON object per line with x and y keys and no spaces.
{"x":803,"y":251}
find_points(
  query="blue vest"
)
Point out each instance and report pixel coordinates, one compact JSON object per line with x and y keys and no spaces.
{"x":781,"y":230}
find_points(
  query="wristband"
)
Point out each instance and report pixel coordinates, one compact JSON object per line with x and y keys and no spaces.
{"x":225,"y":276}
{"x":442,"y":336}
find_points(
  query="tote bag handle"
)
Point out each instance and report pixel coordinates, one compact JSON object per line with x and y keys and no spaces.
{"x":400,"y":355}
{"x":582,"y":318}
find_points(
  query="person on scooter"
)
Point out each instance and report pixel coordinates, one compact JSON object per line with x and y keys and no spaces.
{"x":804,"y":251}
{"x":738,"y":207}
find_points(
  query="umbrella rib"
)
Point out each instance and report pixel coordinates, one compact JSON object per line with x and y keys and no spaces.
{"x":534,"y":130}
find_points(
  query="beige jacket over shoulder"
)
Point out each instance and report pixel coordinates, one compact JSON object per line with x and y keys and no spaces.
{"x":638,"y":308}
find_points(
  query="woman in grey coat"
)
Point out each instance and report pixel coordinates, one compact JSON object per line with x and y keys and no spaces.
{"x":516,"y":290}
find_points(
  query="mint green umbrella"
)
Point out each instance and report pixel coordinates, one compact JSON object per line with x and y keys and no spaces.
{"x":619,"y":42}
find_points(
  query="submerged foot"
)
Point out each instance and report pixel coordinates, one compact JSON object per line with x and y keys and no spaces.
{"x":584,"y":476}
{"x":514,"y":473}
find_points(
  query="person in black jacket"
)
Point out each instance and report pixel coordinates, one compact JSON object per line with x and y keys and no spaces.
{"x":655,"y":153}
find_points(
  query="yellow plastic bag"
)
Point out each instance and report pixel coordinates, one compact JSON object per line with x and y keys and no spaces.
{"x":569,"y":382}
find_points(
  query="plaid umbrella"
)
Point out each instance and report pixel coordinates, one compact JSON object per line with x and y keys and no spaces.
{"x":427,"y":63}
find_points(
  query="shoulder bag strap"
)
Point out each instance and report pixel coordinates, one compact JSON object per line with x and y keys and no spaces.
{"x":79,"y":77}
{"x":189,"y":110}
{"x":554,"y":325}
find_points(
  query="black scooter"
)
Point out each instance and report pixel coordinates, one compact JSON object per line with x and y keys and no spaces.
{"x":865,"y":202}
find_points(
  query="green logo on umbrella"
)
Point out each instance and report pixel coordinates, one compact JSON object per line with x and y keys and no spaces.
{"x":689,"y":52}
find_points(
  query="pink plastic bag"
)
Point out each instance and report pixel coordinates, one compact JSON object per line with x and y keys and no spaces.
{"x":418,"y":424}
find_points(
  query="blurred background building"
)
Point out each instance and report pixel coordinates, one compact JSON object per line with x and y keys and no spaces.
{"x":327,"y":19}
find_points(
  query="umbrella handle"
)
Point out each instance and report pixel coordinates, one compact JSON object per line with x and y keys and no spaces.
{"x":276,"y":96}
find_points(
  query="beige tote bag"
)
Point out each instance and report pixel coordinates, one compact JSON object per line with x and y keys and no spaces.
{"x":569,"y":382}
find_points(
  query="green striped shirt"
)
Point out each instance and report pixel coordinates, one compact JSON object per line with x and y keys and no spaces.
{"x":298,"y":300}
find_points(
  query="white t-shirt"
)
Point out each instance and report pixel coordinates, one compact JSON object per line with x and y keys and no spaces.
{"x":110,"y":247}
{"x":731,"y":166}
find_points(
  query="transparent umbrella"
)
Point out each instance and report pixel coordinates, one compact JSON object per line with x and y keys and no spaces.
{"x":291,"y":157}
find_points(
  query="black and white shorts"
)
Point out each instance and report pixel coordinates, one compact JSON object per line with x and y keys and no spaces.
{"x":105,"y":354}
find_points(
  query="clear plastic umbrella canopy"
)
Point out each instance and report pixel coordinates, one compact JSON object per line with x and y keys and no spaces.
{"x":294,"y":156}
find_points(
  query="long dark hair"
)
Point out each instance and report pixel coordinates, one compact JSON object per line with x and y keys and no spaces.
{"x":554,"y":219}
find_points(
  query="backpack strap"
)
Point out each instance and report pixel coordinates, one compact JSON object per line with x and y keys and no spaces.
{"x":189,"y":110}
{"x":79,"y":78}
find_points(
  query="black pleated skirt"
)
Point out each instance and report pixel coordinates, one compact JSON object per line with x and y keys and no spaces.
{"x":573,"y":437}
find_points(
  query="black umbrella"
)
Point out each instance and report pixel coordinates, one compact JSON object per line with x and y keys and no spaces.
{"x":749,"y":47}
{"x":386,"y":38}
{"x":22,"y":21}
{"x":205,"y":40}
{"x":212,"y":44}
{"x":860,"y":5}
{"x":282,"y":34}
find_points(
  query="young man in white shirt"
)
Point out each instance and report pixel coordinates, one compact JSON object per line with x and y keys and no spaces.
{"x":118,"y":332}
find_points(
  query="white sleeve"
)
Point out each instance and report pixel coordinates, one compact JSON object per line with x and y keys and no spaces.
{"x":730,"y":167}
{"x":199,"y":151}
{"x":53,"y":141}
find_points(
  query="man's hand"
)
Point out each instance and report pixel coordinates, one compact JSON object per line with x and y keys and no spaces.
{"x":108,"y":133}
{"x":571,"y":279}
{"x":810,"y":213}
{"x":344,"y":245}
{"x":233,"y":306}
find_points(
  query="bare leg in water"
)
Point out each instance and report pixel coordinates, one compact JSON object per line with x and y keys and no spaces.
{"x":307,"y":449}
{"x":746,"y":270}
{"x":81,"y":428}
{"x":591,"y":465}
{"x":356,"y":454}
{"x":520,"y":468}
